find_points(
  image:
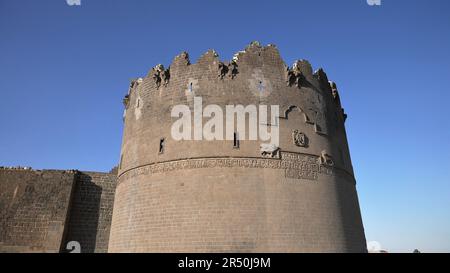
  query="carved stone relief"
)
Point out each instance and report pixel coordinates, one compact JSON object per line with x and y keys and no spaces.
{"x":300,"y":139}
{"x":160,"y":75}
{"x":334,"y":90}
{"x":294,"y":76}
{"x":165,"y":76}
{"x":295,"y":165}
{"x":270,"y":150}
{"x":231,"y":70}
{"x":223,"y":70}
{"x":326,"y":159}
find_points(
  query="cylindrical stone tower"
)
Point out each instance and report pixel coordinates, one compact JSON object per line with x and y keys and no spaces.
{"x":235,"y":195}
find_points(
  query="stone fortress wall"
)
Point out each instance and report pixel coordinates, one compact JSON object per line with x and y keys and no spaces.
{"x":91,"y":211}
{"x":211,"y":196}
{"x":41,"y":211}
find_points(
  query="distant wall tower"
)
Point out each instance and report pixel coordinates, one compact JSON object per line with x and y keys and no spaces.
{"x":216,"y":196}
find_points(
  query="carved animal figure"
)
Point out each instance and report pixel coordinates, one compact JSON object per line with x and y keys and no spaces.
{"x":326,"y":159}
{"x":269,"y":150}
{"x":223,"y":70}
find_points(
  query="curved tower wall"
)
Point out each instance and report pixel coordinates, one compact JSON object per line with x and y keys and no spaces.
{"x":209,"y":196}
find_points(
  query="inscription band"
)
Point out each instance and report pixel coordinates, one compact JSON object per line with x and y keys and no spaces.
{"x":296,"y":166}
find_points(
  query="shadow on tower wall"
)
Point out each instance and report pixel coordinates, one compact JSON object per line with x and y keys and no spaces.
{"x":84,"y":214}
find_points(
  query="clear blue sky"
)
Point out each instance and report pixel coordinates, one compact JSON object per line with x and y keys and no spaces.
{"x":65,"y":69}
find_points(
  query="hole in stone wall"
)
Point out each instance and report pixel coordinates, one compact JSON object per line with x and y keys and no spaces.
{"x":236,"y":140}
{"x":261,"y":86}
{"x":162,"y":143}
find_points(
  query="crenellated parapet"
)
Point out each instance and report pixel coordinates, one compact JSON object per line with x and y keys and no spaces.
{"x":259,"y":66}
{"x":256,"y":75}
